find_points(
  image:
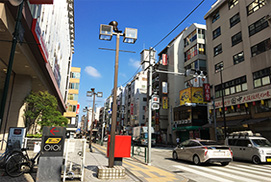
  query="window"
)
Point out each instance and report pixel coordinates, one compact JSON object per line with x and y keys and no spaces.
{"x":216,"y":33}
{"x":234,"y":20}
{"x":215,"y":17}
{"x":231,"y":87}
{"x":237,"y":38}
{"x":202,"y":49}
{"x":74,"y":75}
{"x":218,"y":67}
{"x":144,"y":99}
{"x":255,"y":6}
{"x":238,"y":58}
{"x":201,"y":33}
{"x":74,"y":86}
{"x":261,"y":78}
{"x":72,"y":108}
{"x":257,"y":26}
{"x":218,"y":50}
{"x":232,"y":3}
{"x":144,"y":107}
{"x":73,"y":97}
{"x":190,"y":38}
{"x":190,"y":53}
{"x":260,"y":47}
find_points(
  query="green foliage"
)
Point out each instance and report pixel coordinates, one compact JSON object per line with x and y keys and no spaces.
{"x":34,"y":135}
{"x":42,"y":108}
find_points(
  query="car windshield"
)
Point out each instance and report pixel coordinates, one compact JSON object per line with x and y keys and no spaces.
{"x":209,"y":143}
{"x":261,"y":143}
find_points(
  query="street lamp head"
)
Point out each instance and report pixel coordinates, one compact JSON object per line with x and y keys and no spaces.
{"x":106,"y":32}
{"x":15,"y":2}
{"x":130,"y":35}
{"x":92,"y":89}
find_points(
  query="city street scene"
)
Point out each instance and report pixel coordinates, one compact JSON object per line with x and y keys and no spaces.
{"x":135,"y":90}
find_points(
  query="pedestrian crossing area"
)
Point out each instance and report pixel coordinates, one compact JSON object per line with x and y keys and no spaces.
{"x":234,"y":172}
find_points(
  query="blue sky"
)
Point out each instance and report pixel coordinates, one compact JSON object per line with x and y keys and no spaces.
{"x":154,"y":19}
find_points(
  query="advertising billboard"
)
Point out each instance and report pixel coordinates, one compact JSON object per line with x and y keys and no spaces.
{"x":191,"y":95}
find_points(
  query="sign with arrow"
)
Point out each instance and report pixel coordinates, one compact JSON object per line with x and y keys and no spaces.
{"x":53,"y":139}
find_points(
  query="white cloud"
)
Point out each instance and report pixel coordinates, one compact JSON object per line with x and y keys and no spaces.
{"x":134,"y":63}
{"x":123,"y":75}
{"x":92,"y":72}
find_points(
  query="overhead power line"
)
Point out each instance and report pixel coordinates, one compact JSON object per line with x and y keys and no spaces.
{"x":179,"y":24}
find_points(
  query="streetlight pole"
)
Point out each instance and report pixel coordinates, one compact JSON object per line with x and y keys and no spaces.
{"x":11,"y":59}
{"x":223,"y":104}
{"x":130,"y":36}
{"x":92,"y":93}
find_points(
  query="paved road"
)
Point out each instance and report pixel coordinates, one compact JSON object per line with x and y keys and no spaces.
{"x":236,"y":171}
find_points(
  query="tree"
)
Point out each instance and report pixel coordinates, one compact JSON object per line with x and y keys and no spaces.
{"x":41,"y":108}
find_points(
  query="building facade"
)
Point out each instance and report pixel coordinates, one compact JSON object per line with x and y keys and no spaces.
{"x":42,"y":65}
{"x":72,"y":97}
{"x":239,"y":63}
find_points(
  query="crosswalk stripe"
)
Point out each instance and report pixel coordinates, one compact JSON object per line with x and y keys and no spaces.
{"x":237,"y":170}
{"x":253,"y":167}
{"x":207,"y":175}
{"x":224,"y":173}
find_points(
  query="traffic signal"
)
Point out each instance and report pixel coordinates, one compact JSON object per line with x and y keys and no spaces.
{"x":155,"y":99}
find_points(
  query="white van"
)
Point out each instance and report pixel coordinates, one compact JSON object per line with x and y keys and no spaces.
{"x":246,"y":146}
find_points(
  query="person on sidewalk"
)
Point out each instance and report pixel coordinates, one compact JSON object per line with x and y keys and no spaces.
{"x":178,"y":140}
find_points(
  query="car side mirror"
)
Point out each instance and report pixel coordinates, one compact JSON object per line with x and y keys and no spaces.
{"x":249,"y":145}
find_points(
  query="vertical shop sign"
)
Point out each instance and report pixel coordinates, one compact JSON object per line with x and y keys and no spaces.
{"x":164,"y":59}
{"x":207,"y":92}
{"x":164,"y":88}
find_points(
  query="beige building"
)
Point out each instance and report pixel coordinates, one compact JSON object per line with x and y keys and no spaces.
{"x":238,"y":45}
{"x":72,"y":97}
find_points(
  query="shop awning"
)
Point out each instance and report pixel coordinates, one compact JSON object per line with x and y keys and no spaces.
{"x":187,"y":128}
{"x":254,"y":120}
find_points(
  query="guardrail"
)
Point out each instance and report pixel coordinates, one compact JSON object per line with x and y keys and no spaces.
{"x":140,"y":151}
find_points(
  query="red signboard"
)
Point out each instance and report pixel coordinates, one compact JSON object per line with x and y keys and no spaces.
{"x":207,"y":92}
{"x":77,"y":108}
{"x":41,"y":1}
{"x":164,"y":59}
{"x":132,"y":109}
{"x":39,"y":39}
{"x":122,"y":146}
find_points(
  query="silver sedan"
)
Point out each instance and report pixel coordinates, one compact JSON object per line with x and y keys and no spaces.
{"x":202,"y":151}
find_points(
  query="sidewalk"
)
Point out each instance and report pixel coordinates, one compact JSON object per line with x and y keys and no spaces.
{"x":135,"y":170}
{"x":144,"y":172}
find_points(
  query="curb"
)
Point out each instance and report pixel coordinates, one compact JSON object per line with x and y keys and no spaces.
{"x":130,"y":173}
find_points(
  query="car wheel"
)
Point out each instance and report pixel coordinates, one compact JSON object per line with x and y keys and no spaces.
{"x":175,"y":156}
{"x":256,"y":159}
{"x":224,"y":163}
{"x":196,"y":160}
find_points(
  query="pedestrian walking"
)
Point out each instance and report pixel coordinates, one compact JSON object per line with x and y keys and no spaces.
{"x":178,"y":140}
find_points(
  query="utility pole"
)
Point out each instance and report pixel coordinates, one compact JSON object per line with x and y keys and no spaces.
{"x":150,"y":106}
{"x":103,"y":126}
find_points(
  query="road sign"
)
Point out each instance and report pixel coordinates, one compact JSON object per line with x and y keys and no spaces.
{"x":53,"y":131}
{"x":155,"y":99}
{"x":155,"y":106}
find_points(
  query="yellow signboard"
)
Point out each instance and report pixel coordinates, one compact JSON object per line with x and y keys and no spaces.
{"x":165,"y":102}
{"x":185,"y":96}
{"x":53,"y":140}
{"x":191,"y":95}
{"x":197,"y":95}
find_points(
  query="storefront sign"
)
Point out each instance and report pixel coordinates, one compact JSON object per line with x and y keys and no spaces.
{"x":164,"y":59}
{"x":165,"y":102}
{"x":132,"y":109}
{"x":244,"y":99}
{"x":185,"y":96}
{"x":207,"y":92}
{"x":164,"y":88}
{"x":197,"y":95}
{"x":39,"y":39}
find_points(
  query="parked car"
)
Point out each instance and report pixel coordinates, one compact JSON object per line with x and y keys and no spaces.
{"x":250,"y":147}
{"x":202,"y":151}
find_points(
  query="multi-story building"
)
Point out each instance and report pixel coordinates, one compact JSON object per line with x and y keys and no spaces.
{"x":72,"y":98}
{"x":39,"y":66}
{"x":239,"y":63}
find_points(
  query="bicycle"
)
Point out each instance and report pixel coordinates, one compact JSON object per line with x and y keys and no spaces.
{"x":19,"y":163}
{"x":4,"y":156}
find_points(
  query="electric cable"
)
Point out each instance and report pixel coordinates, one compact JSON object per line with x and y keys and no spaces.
{"x":179,"y":24}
